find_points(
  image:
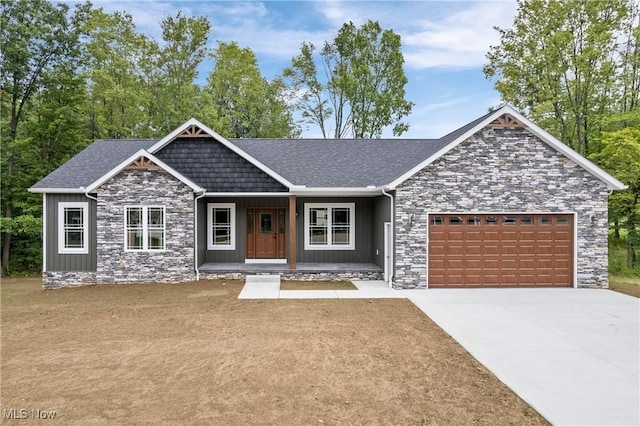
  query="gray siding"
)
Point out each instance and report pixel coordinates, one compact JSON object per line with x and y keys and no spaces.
{"x":364,"y":227}
{"x":364,"y":230}
{"x":381,"y":214}
{"x":237,"y":255}
{"x":68,"y":262}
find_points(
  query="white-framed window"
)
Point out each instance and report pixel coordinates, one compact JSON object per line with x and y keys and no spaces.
{"x":144,"y":228}
{"x":329,"y":226}
{"x":73,"y":227}
{"x":221,"y":226}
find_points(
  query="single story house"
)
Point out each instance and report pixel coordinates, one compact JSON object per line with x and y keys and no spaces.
{"x":497,"y":202}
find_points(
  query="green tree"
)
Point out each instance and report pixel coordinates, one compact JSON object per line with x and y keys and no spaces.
{"x":559,"y":63}
{"x":620,"y":155}
{"x":361,"y":85}
{"x":184,"y":48}
{"x":118,"y":57}
{"x":36,"y":39}
{"x":240,"y":102}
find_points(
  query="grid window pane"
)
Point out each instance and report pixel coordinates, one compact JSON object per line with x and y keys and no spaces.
{"x":74,"y":239}
{"x":341,"y":216}
{"x":135,"y":239}
{"x":73,"y":217}
{"x":156,"y":239}
{"x":318,"y":217}
{"x":155,"y":217}
{"x":221,"y":216}
{"x":341,"y":235}
{"x":222,"y":236}
{"x":318,"y":236}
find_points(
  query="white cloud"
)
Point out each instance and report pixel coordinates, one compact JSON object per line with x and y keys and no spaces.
{"x":459,"y":40}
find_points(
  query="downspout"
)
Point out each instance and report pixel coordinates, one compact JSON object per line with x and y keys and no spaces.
{"x":393,"y":244}
{"x":195,"y":234}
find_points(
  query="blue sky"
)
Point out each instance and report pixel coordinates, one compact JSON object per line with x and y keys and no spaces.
{"x":444,"y":44}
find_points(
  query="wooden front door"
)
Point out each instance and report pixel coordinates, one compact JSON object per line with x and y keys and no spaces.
{"x":266,"y":233}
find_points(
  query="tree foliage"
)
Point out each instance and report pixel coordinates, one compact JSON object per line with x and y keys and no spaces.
{"x":569,"y":65}
{"x":620,"y":155}
{"x":40,"y":43}
{"x":360,"y":85}
{"x":241,"y":102}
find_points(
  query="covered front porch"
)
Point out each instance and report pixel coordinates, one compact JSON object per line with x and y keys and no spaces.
{"x":315,"y":271}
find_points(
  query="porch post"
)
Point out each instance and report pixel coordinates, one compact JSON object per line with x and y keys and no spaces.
{"x":292,"y":232}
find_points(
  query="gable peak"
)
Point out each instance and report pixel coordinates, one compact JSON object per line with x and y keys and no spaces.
{"x":194,"y":131}
{"x":506,"y":120}
{"x":143,"y":163}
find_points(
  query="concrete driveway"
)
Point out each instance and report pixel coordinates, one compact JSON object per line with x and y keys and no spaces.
{"x":572,"y":354}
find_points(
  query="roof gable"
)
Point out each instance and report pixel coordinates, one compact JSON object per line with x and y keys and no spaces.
{"x":506,"y":116}
{"x":142,"y":160}
{"x":194,"y":127}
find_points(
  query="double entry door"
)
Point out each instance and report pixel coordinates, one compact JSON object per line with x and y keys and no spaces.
{"x":266,"y":233}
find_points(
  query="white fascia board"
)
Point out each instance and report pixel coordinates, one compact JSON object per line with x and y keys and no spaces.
{"x":247,"y":194}
{"x":56,"y":190}
{"x":142,"y":153}
{"x":193,"y":122}
{"x":611,"y":182}
{"x":339,"y":192}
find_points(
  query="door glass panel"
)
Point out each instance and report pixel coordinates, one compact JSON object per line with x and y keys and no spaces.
{"x":265,"y":223}
{"x":281,"y":222}
{"x":250,"y":222}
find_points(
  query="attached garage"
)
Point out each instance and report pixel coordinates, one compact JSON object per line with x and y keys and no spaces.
{"x":501,"y":250}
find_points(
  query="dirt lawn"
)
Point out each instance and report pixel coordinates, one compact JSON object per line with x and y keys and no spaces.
{"x":195,"y":354}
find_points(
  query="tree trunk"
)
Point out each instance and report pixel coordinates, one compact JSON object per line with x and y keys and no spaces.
{"x":6,"y":246}
{"x":616,"y":229}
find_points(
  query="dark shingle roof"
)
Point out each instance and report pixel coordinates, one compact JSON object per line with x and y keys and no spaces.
{"x":91,"y":163}
{"x":320,"y":163}
{"x":334,"y":163}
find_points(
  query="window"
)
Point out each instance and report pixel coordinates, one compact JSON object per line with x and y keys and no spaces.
{"x":455,"y":221}
{"x":562,"y":220}
{"x":437,"y":220}
{"x":144,"y":228}
{"x":221,"y":226}
{"x":526,"y":220}
{"x":509,"y":220}
{"x":329,"y":226}
{"x":73,"y":228}
{"x":473,"y":220}
{"x":544,"y":220}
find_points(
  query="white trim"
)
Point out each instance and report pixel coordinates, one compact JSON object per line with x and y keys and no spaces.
{"x":340,"y":192}
{"x":193,"y":122}
{"x":84,"y":205}
{"x":330,"y":207}
{"x":279,"y":261}
{"x":56,"y":190}
{"x":611,"y":182}
{"x":44,"y":232}
{"x":141,"y":153}
{"x":247,"y":194}
{"x":386,"y":253}
{"x":145,"y":229}
{"x":232,"y":217}
{"x":575,"y":249}
{"x":509,"y":213}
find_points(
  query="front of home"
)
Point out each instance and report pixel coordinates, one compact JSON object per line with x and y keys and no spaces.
{"x":498,"y":202}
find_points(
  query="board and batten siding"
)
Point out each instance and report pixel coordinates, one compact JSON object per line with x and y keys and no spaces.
{"x":363,"y":237}
{"x":381,"y":214}
{"x":242,"y":203}
{"x":366,"y":232}
{"x":68,"y":262}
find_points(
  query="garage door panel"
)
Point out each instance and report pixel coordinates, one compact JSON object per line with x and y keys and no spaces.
{"x":501,"y":250}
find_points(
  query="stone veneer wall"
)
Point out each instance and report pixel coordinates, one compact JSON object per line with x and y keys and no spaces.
{"x":58,"y":279}
{"x":145,"y":188}
{"x":501,"y":170}
{"x":296,"y":275}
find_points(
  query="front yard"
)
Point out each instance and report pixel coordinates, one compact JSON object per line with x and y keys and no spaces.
{"x":194,"y":353}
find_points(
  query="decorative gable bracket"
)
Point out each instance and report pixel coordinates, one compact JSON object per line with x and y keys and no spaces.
{"x":194,"y":131}
{"x":505,"y":120}
{"x":143,"y":163}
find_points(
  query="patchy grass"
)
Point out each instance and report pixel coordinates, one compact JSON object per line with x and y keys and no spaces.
{"x":193,"y":353}
{"x":317,"y":285}
{"x":626,"y":285}
{"x":618,"y":259}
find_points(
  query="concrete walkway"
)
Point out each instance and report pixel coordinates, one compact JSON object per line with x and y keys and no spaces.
{"x":572,"y":354}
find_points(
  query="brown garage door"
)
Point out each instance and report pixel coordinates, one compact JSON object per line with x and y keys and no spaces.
{"x":500,"y":250}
